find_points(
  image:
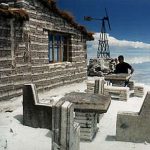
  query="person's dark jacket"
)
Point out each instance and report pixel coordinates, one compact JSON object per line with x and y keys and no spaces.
{"x":123,"y":67}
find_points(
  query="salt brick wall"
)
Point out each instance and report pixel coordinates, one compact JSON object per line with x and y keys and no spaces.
{"x":30,"y":62}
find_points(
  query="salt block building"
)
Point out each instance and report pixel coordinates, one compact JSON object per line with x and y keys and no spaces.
{"x":39,"y":44}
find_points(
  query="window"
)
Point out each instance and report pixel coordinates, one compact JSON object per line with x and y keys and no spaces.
{"x":58,"y":50}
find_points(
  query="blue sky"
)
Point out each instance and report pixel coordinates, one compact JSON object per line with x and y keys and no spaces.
{"x":130,"y":19}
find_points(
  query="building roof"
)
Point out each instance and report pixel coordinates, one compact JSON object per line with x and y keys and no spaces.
{"x":14,"y":13}
{"x":68,"y":17}
{"x":20,"y":14}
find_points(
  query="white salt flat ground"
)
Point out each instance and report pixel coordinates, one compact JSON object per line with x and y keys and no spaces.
{"x":15,"y":136}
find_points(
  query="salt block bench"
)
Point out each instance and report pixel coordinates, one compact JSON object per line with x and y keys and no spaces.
{"x":117,"y":89}
{"x":135,"y":127}
{"x":35,"y":114}
{"x":120,"y":93}
{"x":139,"y":90}
{"x":87,"y":107}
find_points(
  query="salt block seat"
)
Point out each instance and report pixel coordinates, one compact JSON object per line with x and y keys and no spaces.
{"x":135,"y":127}
{"x":120,"y":93}
{"x":35,"y":114}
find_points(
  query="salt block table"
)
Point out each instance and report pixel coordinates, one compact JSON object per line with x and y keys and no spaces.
{"x":118,"y":79}
{"x":88,"y":102}
{"x":87,"y":107}
{"x":117,"y":88}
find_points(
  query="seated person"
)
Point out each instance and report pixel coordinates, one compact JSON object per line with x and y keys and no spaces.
{"x":123,"y":67}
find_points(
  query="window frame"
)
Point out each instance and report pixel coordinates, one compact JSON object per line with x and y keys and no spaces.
{"x":58,"y":47}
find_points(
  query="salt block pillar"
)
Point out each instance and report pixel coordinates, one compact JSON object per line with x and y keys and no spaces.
{"x":96,"y":86}
{"x":135,"y":127}
{"x":65,"y":133}
{"x":99,"y":86}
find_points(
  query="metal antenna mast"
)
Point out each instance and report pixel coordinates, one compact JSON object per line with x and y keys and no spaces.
{"x":103,"y":46}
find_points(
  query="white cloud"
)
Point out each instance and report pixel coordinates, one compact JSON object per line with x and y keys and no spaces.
{"x":121,"y":44}
{"x":124,"y":43}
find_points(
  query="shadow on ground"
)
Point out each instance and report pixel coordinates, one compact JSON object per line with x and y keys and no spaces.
{"x":19,"y":118}
{"x":110,"y":138}
{"x":49,"y":134}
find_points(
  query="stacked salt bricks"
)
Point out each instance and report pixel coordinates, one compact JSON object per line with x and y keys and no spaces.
{"x":120,"y":93}
{"x":139,"y":90}
{"x":88,"y":120}
{"x":88,"y":125}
